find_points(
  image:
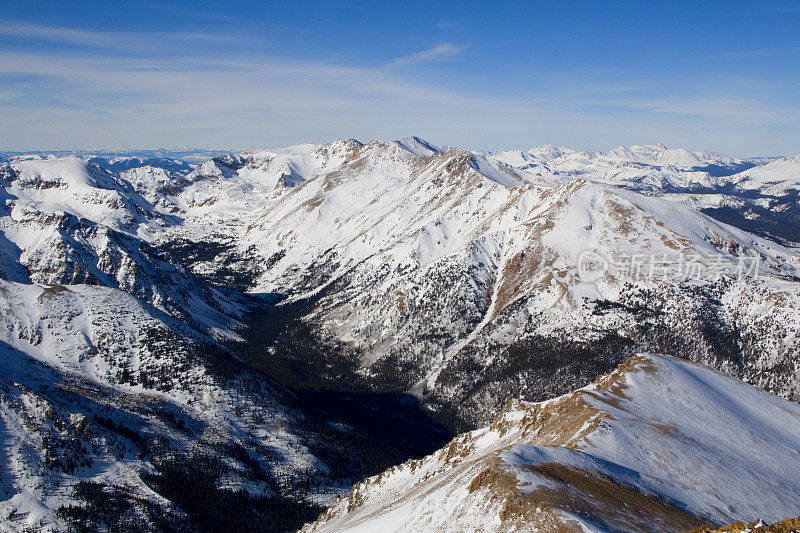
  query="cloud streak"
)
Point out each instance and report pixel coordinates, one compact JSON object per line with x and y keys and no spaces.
{"x":140,"y":41}
{"x":441,"y":52}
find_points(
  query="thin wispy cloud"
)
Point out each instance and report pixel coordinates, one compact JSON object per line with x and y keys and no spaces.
{"x":161,"y":6}
{"x":440,"y":52}
{"x":724,"y":109}
{"x":141,"y":41}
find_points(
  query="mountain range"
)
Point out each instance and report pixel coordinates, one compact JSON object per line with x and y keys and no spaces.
{"x":236,"y":342}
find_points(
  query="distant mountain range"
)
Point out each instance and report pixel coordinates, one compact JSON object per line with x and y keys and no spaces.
{"x":210,"y":341}
{"x":188,"y":155}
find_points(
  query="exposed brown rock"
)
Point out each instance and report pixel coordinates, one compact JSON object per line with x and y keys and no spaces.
{"x":790,"y":525}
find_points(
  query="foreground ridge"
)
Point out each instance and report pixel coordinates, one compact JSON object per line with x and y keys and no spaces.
{"x":659,"y":444}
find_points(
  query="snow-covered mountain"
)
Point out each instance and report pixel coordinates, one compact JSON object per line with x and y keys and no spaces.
{"x":191,"y":304}
{"x":360,"y":237}
{"x":116,"y":415}
{"x":659,"y":444}
{"x":451,"y":274}
{"x":117,"y":385}
{"x":778,"y":177}
{"x":66,"y":221}
{"x":758,"y":194}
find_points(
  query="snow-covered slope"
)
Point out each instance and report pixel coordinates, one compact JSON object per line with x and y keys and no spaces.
{"x":66,"y":221}
{"x":651,"y":169}
{"x":121,"y":164}
{"x":73,"y":186}
{"x":755,"y":194}
{"x":97,"y":392}
{"x":778,"y":177}
{"x":659,"y":444}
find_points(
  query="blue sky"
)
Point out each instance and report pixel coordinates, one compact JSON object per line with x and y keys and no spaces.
{"x":137,"y":74}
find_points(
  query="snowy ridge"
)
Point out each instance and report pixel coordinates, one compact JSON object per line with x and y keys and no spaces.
{"x":659,"y":444}
{"x":75,"y":187}
{"x":778,"y":177}
{"x":651,"y":168}
{"x":69,"y":221}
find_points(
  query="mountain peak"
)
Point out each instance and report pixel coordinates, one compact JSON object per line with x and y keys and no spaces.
{"x":417,"y":146}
